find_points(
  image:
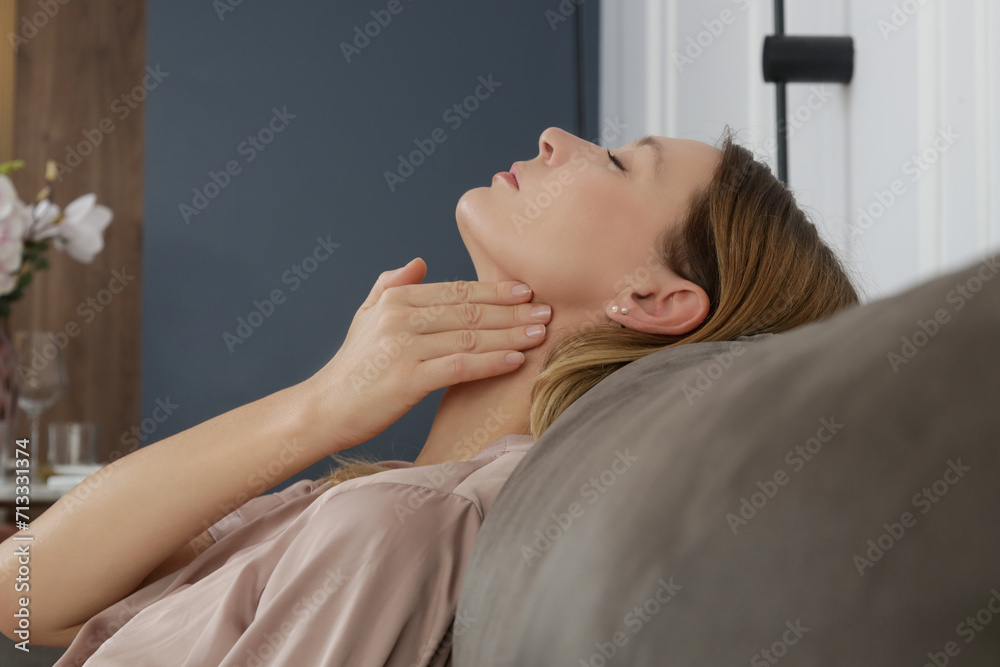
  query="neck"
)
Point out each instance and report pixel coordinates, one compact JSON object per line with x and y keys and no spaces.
{"x":474,"y":414}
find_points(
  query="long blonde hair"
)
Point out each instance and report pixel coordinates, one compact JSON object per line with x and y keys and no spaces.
{"x":744,"y":241}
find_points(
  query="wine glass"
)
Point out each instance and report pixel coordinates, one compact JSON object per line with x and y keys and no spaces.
{"x":42,"y":379}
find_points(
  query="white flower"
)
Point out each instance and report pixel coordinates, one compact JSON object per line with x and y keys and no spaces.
{"x":14,"y":221}
{"x":81,"y":231}
{"x":44,"y":216}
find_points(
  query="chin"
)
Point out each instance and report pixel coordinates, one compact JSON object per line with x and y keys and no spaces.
{"x":476,"y":217}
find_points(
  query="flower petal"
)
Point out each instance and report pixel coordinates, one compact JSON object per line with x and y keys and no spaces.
{"x":80,"y":206}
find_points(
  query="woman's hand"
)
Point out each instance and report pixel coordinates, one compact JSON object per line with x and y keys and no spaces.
{"x":409,"y":339}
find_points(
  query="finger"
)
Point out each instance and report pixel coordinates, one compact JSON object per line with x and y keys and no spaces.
{"x":456,"y":368}
{"x":449,"y":343}
{"x":475,"y":316}
{"x":412,"y":271}
{"x":463,"y":291}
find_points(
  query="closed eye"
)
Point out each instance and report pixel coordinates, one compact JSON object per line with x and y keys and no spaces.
{"x":616,"y":161}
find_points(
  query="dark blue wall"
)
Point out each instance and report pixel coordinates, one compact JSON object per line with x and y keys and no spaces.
{"x":278,"y":71}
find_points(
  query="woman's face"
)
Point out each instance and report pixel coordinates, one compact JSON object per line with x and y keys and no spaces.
{"x":582,"y":232}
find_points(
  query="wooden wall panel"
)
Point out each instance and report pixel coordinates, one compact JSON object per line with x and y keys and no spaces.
{"x":70,"y":69}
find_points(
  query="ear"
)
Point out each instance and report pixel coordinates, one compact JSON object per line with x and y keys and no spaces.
{"x":672,"y":306}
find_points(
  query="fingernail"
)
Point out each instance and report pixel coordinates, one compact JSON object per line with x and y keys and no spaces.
{"x":521,"y":290}
{"x":541,"y":311}
{"x":535,"y":330}
{"x":514,"y":358}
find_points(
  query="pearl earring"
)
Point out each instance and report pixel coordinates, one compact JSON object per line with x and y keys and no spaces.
{"x":624,"y":311}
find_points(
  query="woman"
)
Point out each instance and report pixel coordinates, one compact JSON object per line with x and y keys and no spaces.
{"x":664,"y":242}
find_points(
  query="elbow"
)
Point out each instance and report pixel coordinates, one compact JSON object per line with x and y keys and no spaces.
{"x":22,"y":629}
{"x":16,"y":620}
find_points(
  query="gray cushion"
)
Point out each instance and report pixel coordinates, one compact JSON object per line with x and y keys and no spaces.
{"x":829,"y":494}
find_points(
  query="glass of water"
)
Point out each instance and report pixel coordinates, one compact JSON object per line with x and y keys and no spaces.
{"x":42,"y":380}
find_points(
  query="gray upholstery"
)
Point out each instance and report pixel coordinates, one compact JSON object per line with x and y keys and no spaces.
{"x":788,"y":580}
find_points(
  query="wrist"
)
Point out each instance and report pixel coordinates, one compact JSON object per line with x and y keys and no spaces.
{"x":318,"y":416}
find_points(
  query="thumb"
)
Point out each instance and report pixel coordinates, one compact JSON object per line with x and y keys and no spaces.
{"x":404,"y":275}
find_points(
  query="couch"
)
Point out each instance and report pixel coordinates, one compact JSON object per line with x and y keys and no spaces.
{"x":824,"y":496}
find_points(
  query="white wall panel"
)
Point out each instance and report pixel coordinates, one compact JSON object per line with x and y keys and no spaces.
{"x":900,"y":170}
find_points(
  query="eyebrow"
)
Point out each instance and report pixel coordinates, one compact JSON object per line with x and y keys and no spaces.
{"x":648,"y":140}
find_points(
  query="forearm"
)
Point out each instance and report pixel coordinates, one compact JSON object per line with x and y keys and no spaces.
{"x":100,"y":540}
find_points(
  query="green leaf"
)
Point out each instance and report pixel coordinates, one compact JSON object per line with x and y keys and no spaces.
{"x":11,"y":165}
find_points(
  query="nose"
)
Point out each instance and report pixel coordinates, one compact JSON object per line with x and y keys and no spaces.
{"x":555,"y":146}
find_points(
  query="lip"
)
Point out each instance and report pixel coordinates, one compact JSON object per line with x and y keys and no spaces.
{"x":507,"y":178}
{"x":515,"y":171}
